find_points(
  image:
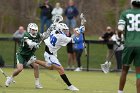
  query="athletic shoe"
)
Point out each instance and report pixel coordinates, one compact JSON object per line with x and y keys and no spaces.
{"x":39,"y":86}
{"x":77,"y":69}
{"x":8,"y":81}
{"x":72,"y":88}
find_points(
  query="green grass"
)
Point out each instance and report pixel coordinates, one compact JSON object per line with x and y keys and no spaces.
{"x":87,"y":82}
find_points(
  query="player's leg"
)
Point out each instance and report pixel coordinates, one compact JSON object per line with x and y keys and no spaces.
{"x":137,"y":68}
{"x":20,"y":61}
{"x":36,"y":75}
{"x":138,"y":79}
{"x":127,"y":58}
{"x":64,"y":77}
{"x":44,"y":64}
{"x":53,"y":62}
{"x":123,"y":77}
{"x":17,"y":70}
{"x":60,"y":70}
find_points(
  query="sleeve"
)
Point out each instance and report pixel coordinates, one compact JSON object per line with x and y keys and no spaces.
{"x":32,"y":44}
{"x":122,"y":22}
{"x":64,"y":40}
{"x":76,"y":12}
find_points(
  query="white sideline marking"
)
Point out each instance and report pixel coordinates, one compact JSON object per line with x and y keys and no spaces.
{"x":100,"y":91}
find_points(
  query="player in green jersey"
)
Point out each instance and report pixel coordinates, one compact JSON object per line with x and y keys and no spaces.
{"x":129,"y":24}
{"x":25,"y":54}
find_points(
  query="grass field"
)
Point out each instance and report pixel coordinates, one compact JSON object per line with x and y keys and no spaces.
{"x":87,"y":82}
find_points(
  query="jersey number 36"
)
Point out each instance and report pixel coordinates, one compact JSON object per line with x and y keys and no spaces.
{"x":134,"y":22}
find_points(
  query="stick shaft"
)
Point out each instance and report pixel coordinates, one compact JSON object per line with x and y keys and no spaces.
{"x":3,"y":73}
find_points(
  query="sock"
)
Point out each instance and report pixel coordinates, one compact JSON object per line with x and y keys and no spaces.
{"x":65,"y":79}
{"x":37,"y":81}
{"x":120,"y":91}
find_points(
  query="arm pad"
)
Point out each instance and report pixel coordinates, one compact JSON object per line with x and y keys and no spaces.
{"x":31,"y":43}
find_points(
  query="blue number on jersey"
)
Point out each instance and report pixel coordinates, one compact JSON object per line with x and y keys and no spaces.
{"x":53,"y":40}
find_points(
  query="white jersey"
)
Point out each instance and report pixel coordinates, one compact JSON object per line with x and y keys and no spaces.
{"x":115,"y":38}
{"x":56,"y":41}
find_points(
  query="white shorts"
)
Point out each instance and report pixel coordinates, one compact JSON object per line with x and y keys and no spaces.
{"x":51,"y":59}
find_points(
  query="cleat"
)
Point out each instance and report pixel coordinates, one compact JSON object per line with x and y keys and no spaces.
{"x":8,"y":81}
{"x":39,"y":86}
{"x":72,"y":88}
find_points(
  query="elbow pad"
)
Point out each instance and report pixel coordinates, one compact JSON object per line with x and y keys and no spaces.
{"x":121,"y":27}
{"x":31,"y":43}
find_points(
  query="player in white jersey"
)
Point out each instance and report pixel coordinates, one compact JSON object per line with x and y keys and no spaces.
{"x":53,"y":43}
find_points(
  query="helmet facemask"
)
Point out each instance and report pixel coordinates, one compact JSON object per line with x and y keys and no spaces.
{"x":32,"y":29}
{"x":63,"y":28}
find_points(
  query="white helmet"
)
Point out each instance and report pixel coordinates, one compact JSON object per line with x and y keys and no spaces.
{"x":62,"y":27}
{"x":32,"y":29}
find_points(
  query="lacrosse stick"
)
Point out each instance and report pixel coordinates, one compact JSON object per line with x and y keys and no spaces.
{"x":83,"y":21}
{"x":6,"y":75}
{"x":57,"y":20}
{"x":106,"y":66}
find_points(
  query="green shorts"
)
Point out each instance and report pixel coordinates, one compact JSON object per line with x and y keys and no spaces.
{"x":23,"y":59}
{"x":131,"y":55}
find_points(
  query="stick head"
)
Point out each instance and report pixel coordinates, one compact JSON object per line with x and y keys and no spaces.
{"x":106,"y":67}
{"x":83,"y":20}
{"x":58,"y":19}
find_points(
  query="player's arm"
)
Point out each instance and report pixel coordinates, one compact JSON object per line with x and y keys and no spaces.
{"x":31,"y":43}
{"x":121,"y":28}
{"x":121,"y":25}
{"x":63,"y":40}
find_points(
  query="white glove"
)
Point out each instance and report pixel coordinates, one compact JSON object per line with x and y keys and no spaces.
{"x":37,"y":45}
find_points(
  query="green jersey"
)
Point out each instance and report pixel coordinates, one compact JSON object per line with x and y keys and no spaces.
{"x":24,"y":48}
{"x":130,"y":19}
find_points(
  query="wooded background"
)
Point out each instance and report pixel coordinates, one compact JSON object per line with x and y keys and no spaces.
{"x":99,"y":13}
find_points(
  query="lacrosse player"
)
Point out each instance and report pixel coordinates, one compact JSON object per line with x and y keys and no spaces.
{"x":129,"y":24}
{"x":25,"y":54}
{"x":53,"y":43}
